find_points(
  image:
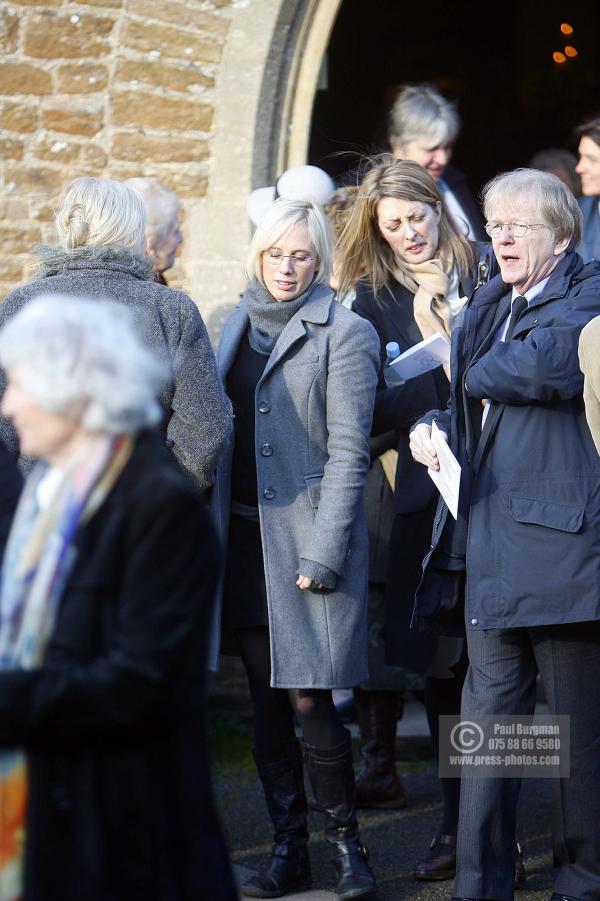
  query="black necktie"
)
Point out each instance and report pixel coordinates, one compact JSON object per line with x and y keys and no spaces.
{"x":518,"y":305}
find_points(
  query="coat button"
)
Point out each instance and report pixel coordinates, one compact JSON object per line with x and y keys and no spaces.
{"x":266,"y":450}
{"x":269,"y":493}
{"x":474,"y":621}
{"x":535,"y":321}
{"x":264,"y":406}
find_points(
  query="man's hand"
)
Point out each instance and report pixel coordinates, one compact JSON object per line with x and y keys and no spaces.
{"x":421,"y":446}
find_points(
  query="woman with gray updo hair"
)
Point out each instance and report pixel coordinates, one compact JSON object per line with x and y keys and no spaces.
{"x":105,"y":594}
{"x":100,"y":253}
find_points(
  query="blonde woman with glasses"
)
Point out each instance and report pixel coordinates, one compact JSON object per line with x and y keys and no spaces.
{"x":301,"y":372}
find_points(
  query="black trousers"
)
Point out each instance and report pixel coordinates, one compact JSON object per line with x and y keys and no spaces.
{"x":501,"y":680}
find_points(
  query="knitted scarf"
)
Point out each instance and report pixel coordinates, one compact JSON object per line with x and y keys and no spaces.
{"x":39,"y":558}
{"x":269,"y":317}
{"x":429,"y":283}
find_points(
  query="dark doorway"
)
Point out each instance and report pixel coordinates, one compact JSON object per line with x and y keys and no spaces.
{"x":497,"y":63}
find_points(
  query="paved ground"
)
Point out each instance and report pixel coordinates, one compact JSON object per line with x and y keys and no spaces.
{"x":396,"y":841}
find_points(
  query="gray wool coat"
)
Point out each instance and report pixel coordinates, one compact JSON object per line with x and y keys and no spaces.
{"x":198,"y":413}
{"x":313,"y":412}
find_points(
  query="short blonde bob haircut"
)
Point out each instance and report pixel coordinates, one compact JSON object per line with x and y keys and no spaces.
{"x":552,"y":203}
{"x":83,"y":359}
{"x":363,"y":249}
{"x":101,"y":212}
{"x":281,"y":217}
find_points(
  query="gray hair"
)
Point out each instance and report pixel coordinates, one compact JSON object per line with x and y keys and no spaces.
{"x":161,"y":205}
{"x":81,"y":358}
{"x":281,"y":217}
{"x":421,"y":113}
{"x":101,"y":211}
{"x":553,"y":203}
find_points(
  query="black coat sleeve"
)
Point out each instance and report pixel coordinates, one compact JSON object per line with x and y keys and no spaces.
{"x":161,"y":610}
{"x":399,"y":407}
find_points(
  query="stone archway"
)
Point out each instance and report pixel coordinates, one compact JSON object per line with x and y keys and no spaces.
{"x":264,"y":98}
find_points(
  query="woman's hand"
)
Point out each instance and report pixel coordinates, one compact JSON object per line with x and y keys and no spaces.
{"x":304,"y":582}
{"x":421,"y":446}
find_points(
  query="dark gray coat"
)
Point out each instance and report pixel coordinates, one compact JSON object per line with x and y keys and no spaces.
{"x":314,"y":405}
{"x":199,"y":416}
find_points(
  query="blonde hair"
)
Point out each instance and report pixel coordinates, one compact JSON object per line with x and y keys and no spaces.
{"x":281,"y":217}
{"x":363,"y":248}
{"x":553,"y":202}
{"x":99,"y":212}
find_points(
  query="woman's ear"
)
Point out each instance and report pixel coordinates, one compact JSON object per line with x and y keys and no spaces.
{"x":438,"y":210}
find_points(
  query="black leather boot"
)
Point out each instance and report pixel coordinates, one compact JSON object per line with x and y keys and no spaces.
{"x":332,"y":779}
{"x":283,"y":785}
{"x":377,"y":782}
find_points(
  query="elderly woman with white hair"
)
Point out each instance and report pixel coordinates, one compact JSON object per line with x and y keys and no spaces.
{"x":101,"y":254}
{"x":106,"y":590}
{"x":163,"y":234}
{"x":423,"y":127}
{"x":301,"y":371}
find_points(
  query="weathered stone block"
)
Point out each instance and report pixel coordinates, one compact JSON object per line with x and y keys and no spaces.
{"x":9,"y":30}
{"x":141,"y":148}
{"x":92,"y":155}
{"x":176,"y":13}
{"x":22,"y":78}
{"x":79,"y":121}
{"x":171,"y":42}
{"x":146,"y":110}
{"x":11,"y":149}
{"x":13,"y":208}
{"x":56,"y":151}
{"x":185,"y":184}
{"x":53,"y":35}
{"x":81,"y":78}
{"x":18,"y":238}
{"x":39,"y":179}
{"x":17,"y":117}
{"x":11,"y":267}
{"x":162,"y":75}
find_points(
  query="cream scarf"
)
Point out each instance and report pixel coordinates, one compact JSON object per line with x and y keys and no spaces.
{"x":429,"y":283}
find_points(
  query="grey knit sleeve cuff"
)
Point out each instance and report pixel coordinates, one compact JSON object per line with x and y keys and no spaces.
{"x":318,"y":573}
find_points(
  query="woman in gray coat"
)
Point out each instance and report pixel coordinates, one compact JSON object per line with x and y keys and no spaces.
{"x":301,"y":372}
{"x":100,"y":253}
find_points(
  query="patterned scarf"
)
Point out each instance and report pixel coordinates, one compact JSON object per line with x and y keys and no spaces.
{"x":39,"y":558}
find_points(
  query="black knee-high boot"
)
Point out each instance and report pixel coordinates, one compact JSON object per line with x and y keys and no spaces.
{"x":332,"y":779}
{"x":283,"y":785}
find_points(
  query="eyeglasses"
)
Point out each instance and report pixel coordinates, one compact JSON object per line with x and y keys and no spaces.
{"x":276,"y":257}
{"x":517,"y":229}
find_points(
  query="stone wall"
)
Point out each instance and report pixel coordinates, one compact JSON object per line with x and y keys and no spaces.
{"x":107,"y":87}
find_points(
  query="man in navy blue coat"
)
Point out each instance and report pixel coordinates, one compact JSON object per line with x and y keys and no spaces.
{"x":528,"y":531}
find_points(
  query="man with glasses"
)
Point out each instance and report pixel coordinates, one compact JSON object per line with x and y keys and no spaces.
{"x":528,"y":529}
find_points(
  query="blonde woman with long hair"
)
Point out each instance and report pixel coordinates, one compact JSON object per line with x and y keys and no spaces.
{"x":412,"y":271}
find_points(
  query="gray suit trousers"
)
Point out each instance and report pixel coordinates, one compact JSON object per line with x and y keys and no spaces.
{"x":501,"y":680}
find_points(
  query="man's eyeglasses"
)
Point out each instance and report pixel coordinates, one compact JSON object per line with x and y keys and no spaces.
{"x":517,"y":229}
{"x":275,"y":257}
